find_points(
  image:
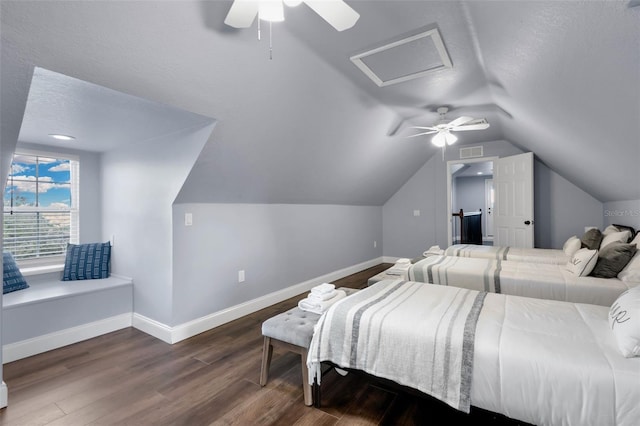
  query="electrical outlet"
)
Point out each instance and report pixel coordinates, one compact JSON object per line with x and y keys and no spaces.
{"x":188,"y":219}
{"x":375,"y":244}
{"x":241,"y":276}
{"x":416,"y":212}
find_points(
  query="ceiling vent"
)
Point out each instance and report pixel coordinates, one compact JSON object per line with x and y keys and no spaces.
{"x":471,"y":152}
{"x":403,"y":60}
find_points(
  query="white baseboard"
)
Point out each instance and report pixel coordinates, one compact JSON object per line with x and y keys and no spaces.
{"x":152,"y":327}
{"x":216,"y":319}
{"x":390,"y":259}
{"x":4,"y":395}
{"x":25,"y":348}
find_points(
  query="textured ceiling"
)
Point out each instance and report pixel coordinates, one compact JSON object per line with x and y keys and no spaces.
{"x":556,"y":78}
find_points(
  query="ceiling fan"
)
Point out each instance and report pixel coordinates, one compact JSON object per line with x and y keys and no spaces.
{"x":443,"y":129}
{"x":336,"y":12}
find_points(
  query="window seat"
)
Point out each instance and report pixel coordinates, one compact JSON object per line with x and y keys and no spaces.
{"x":52,"y":313}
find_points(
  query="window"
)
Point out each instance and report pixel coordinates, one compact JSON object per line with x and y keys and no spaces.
{"x":41,"y":208}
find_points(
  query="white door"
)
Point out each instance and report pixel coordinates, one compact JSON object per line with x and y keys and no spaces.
{"x":513,"y":215}
{"x":488,"y":207}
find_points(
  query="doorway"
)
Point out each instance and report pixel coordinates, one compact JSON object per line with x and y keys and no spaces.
{"x":471,"y":199}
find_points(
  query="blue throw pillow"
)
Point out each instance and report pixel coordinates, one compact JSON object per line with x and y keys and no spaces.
{"x":87,"y":261}
{"x":12,"y":279}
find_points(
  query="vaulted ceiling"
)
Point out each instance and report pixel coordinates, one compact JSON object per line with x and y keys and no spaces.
{"x":557,"y":78}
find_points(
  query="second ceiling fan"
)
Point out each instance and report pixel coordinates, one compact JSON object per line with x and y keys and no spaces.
{"x":443,"y":128}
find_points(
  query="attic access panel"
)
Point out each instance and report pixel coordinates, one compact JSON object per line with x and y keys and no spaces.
{"x":406,"y":59}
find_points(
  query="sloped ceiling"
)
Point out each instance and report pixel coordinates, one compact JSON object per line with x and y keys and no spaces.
{"x":309,"y":127}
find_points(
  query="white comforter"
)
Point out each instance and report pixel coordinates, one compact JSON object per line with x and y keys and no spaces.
{"x":544,"y":281}
{"x":552,"y":363}
{"x":512,"y":254}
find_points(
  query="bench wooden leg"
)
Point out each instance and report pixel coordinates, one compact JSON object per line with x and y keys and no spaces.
{"x":306,"y":386}
{"x":267,"y":351}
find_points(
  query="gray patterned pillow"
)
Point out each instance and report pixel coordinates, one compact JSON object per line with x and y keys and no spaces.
{"x":592,"y":239}
{"x":612,"y":259}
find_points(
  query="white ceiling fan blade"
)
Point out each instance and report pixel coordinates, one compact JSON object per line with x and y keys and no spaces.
{"x":242,"y":13}
{"x":336,"y":12}
{"x":435,"y":129}
{"x":421,"y":134}
{"x":459,"y":121}
{"x":479,"y":125}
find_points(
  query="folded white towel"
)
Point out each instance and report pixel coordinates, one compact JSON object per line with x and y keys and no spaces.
{"x":321,"y":297}
{"x":320,"y":307}
{"x":323,"y":288}
{"x":403,"y":261}
{"x":433,"y":251}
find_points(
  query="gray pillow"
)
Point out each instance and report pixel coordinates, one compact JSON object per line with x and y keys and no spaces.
{"x":612,"y":259}
{"x":592,"y":239}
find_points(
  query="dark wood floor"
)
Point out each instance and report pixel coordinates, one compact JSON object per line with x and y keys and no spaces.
{"x":130,"y":378}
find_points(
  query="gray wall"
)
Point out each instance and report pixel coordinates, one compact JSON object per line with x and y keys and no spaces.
{"x":469,"y":192}
{"x":622,"y":213}
{"x":277,"y":245}
{"x":406,"y":235}
{"x":561,"y":208}
{"x":139,"y":184}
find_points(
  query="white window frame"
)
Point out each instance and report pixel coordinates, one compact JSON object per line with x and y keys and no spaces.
{"x":52,"y":263}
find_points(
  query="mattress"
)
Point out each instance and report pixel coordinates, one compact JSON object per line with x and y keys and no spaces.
{"x":539,"y":280}
{"x":544,"y":362}
{"x":512,"y":254}
{"x":552,"y":363}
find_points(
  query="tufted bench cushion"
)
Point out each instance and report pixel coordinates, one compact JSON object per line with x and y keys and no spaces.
{"x":294,"y":326}
{"x":292,"y":329}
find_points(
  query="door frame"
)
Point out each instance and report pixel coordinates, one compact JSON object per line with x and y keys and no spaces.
{"x":449,"y":195}
{"x":486,"y":211}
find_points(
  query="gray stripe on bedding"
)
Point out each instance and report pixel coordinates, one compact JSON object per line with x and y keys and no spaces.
{"x":355,"y":333}
{"x":447,"y":347}
{"x":467,"y":352}
{"x":496,"y":276}
{"x":430,"y":270}
{"x":409,"y":292}
{"x":485,"y":277}
{"x":504,"y":254}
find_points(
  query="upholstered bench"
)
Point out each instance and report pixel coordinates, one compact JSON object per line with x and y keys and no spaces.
{"x":292,"y":330}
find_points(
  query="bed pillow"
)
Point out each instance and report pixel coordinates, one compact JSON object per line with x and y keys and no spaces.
{"x":571,"y":246}
{"x":591,"y":239}
{"x":610,"y":229}
{"x":582,"y":262}
{"x":622,"y":236}
{"x":631,"y":272}
{"x":636,"y":240}
{"x":632,"y":232}
{"x":87,"y":261}
{"x":612,"y":259}
{"x":624,"y":320}
{"x":12,"y":279}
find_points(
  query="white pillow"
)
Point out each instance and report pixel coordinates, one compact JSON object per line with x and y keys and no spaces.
{"x":582,"y":262}
{"x":571,"y":246}
{"x":622,"y":236}
{"x":631,"y":272}
{"x":624,"y":320}
{"x":610,"y":229}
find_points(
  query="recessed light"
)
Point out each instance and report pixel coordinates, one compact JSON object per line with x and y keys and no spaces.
{"x":479,"y":173}
{"x":61,"y":137}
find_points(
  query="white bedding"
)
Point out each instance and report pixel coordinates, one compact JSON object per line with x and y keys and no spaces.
{"x":512,"y":254}
{"x":540,"y":280}
{"x":552,"y":363}
{"x":541,"y":361}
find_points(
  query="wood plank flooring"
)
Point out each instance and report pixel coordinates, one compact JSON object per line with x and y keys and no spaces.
{"x":130,"y":378}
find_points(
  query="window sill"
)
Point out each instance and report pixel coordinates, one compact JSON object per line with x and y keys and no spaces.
{"x":39,"y":270}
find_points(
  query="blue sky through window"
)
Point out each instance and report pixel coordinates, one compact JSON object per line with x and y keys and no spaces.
{"x":50,"y":176}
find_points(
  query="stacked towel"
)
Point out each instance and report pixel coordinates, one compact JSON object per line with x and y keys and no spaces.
{"x":433,"y":251}
{"x":401,"y":268}
{"x":321,"y":298}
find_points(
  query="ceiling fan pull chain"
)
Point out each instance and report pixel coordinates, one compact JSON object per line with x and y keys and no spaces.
{"x":259,"y":28}
{"x":270,"y":42}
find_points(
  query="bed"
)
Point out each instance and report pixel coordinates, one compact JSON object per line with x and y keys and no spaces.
{"x":512,"y":254}
{"x":540,"y":280}
{"x":540,"y":361}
